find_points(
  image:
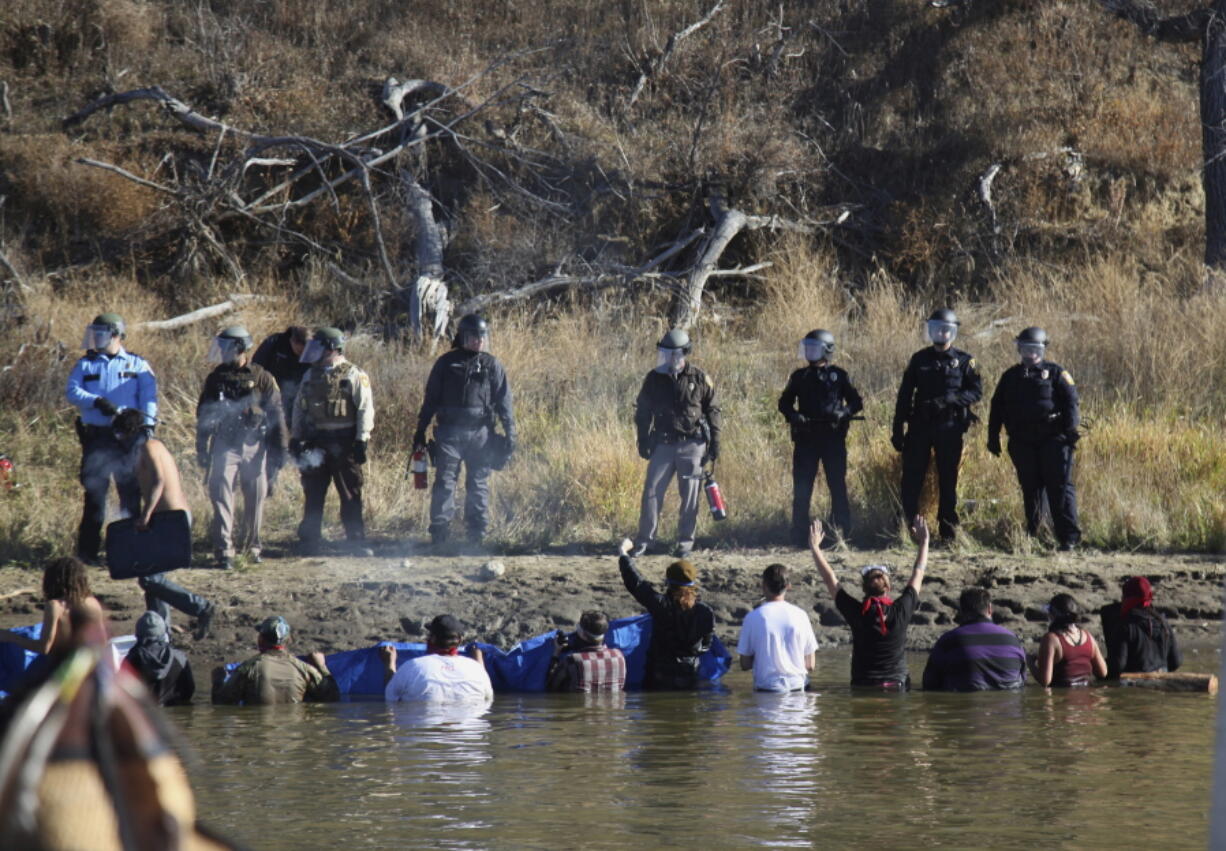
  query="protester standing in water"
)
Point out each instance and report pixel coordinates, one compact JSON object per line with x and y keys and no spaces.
{"x":878,"y":622}
{"x":1137,"y":637}
{"x":682,"y":627}
{"x":65,"y":587}
{"x":1068,"y":655}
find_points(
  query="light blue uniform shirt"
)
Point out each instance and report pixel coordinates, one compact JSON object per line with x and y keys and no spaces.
{"x":123,"y":378}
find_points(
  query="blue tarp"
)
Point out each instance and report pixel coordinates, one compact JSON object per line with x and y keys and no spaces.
{"x":15,"y":660}
{"x":523,"y":668}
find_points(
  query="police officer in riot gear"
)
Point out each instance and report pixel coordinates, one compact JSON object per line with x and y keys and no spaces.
{"x":240,"y":439}
{"x":333,"y":417}
{"x":1036,"y":401}
{"x":104,"y":382}
{"x":818,"y":403}
{"x":678,"y":427}
{"x":466,"y":391}
{"x":931,"y":414}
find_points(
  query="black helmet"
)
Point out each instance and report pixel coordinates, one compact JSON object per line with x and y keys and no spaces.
{"x":237,"y":333}
{"x":675,"y":339}
{"x":471,"y":324}
{"x":1033,"y":334}
{"x":944,"y":315}
{"x":822,"y":336}
{"x":330,"y":338}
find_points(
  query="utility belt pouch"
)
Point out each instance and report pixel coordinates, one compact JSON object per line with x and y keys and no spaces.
{"x":432,"y":452}
{"x":80,"y":430}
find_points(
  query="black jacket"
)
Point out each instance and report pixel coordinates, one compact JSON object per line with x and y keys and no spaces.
{"x":824,"y":397}
{"x":678,"y":636}
{"x":277,"y":356}
{"x":1034,"y":403}
{"x":937,"y":391}
{"x":671,"y":406}
{"x":1143,"y":643}
{"x":466,"y":389}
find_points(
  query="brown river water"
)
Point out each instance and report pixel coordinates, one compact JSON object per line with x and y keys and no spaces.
{"x":727,"y":768}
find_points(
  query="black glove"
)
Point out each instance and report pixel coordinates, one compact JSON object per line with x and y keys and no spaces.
{"x":148,"y":431}
{"x":994,"y":445}
{"x":359,"y":451}
{"x":275,"y":458}
{"x":512,"y":445}
{"x":106,"y":406}
{"x":645,"y":449}
{"x":202,"y":459}
{"x":295,"y":448}
{"x":419,"y":439}
{"x":1072,"y":436}
{"x":713,"y":450}
{"x":896,"y":440}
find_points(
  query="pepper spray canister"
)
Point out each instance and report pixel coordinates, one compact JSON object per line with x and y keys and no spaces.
{"x":418,"y":467}
{"x":715,"y":499}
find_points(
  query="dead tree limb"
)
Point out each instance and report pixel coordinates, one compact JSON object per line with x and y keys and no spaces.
{"x":429,"y":291}
{"x":394,"y":93}
{"x":5,"y":106}
{"x":8,"y":266}
{"x":654,"y":66}
{"x":688,"y":304}
{"x":123,"y":172}
{"x":234,"y":302}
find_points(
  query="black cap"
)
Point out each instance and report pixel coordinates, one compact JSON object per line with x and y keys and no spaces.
{"x":445,"y":627}
{"x":944,"y":315}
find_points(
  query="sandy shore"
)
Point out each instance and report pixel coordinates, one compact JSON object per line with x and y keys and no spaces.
{"x":339,"y":603}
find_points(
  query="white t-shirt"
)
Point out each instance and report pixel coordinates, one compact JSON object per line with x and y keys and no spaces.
{"x":778,"y":635}
{"x":440,"y":679}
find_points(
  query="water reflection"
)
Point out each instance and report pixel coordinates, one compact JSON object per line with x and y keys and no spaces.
{"x":724,"y":768}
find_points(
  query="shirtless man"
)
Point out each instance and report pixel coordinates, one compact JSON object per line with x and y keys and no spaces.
{"x":161,"y":489}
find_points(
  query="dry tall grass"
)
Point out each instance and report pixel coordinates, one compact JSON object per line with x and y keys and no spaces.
{"x":1149,"y":361}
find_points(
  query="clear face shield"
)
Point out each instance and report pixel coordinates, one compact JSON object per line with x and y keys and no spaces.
{"x":1031,"y":353}
{"x":815,"y":350}
{"x":225,"y":350}
{"x":476,"y":342}
{"x":313,"y":352}
{"x":97,"y":337}
{"x":670,"y":360}
{"x":941,"y":333}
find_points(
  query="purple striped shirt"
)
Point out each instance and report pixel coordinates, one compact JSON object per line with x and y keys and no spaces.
{"x":977,"y":656}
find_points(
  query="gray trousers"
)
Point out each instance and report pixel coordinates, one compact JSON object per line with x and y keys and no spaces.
{"x":684,"y":459}
{"x":456,"y":446}
{"x":243,"y":466}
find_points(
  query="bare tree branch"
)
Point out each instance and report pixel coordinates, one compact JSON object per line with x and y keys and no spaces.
{"x":1187,"y":27}
{"x":5,"y":106}
{"x":13,"y":273}
{"x":394,"y":93}
{"x":655,"y":66}
{"x":210,"y":312}
{"x":429,"y":292}
{"x":123,"y":172}
{"x":728,"y":223}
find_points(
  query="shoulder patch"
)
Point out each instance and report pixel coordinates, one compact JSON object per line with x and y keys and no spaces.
{"x":707,"y":379}
{"x":363,"y":379}
{"x":1068,"y":378}
{"x":970,"y":364}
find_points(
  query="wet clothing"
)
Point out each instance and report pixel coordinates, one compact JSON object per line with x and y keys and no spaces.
{"x":878,"y":657}
{"x":126,"y":381}
{"x":679,"y":637}
{"x":818,"y":402}
{"x":465,"y":393}
{"x":164,"y":670}
{"x":677,"y":422}
{"x":583,"y":667}
{"x":440,"y":678}
{"x":163,"y":593}
{"x":333,"y":413}
{"x":275,"y":677}
{"x":1143,"y":642}
{"x":1039,"y":408}
{"x":276,"y":354}
{"x":934,"y":405}
{"x":977,"y":656}
{"x":779,"y":636}
{"x":1076,"y":666}
{"x":241,"y":440}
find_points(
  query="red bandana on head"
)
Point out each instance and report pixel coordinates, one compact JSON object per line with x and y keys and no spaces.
{"x":880,"y":603}
{"x":1137,"y":593}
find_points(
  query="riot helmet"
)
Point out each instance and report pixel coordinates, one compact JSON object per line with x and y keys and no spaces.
{"x":100,"y":332}
{"x":229,"y":344}
{"x":1032,"y":344}
{"x":942,"y":327}
{"x":671,"y":351}
{"x":817,"y":345}
{"x":473,"y":330}
{"x":325,"y":340}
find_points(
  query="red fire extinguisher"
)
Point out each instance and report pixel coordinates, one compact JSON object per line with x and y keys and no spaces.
{"x":715,"y":499}
{"x":418,"y":467}
{"x":6,"y":473}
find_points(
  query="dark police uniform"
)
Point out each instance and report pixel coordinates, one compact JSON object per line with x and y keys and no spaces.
{"x":240,"y":435}
{"x":933,"y":404}
{"x":334,"y":413}
{"x":678,"y":422}
{"x":1038,"y":406}
{"x":818,"y":402}
{"x":466,"y":390}
{"x":276,"y":355}
{"x":126,"y":381}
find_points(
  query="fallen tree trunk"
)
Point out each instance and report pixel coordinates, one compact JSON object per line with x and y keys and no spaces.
{"x":210,"y":312}
{"x":428,"y":291}
{"x":1172,"y":681}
